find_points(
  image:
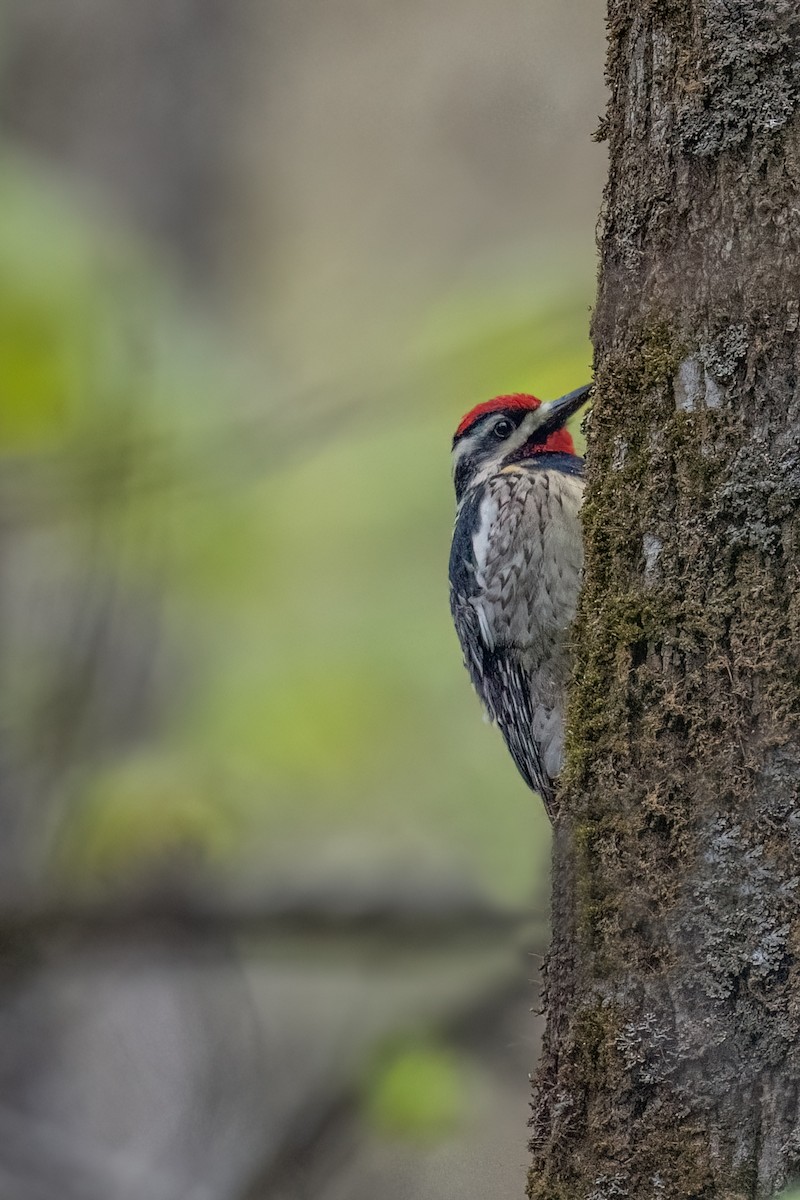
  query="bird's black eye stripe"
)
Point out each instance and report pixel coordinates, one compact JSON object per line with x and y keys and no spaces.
{"x":503,"y":428}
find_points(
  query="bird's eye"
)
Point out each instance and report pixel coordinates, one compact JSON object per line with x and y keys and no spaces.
{"x":503,"y":428}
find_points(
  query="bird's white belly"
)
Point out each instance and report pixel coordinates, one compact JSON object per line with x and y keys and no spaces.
{"x":528,"y":561}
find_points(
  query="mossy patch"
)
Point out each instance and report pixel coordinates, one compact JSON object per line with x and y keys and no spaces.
{"x":670,"y":671}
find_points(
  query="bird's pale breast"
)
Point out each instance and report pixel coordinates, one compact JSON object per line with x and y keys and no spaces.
{"x":528,"y":556}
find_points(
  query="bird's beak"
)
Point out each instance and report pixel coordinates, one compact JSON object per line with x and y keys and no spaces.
{"x":556,"y":413}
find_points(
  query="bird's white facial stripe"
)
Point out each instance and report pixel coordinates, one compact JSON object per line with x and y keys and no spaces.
{"x":465,"y":448}
{"x":482,"y":438}
{"x":520,"y":437}
{"x":499,"y":451}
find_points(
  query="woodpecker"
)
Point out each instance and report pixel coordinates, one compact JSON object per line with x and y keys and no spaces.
{"x":515,"y":569}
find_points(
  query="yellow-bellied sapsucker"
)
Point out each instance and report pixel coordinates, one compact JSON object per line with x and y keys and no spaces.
{"x":515,"y":569}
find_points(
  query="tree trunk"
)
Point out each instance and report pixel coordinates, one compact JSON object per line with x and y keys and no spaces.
{"x":671,"y":1065}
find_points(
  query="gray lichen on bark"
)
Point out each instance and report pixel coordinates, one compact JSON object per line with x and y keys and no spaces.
{"x":671,"y":1064}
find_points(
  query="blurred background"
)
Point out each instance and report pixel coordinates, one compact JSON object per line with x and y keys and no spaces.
{"x":272,"y":897}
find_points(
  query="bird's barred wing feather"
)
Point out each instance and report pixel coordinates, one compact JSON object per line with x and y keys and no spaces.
{"x":507,"y":693}
{"x":504,"y":687}
{"x":464,"y":588}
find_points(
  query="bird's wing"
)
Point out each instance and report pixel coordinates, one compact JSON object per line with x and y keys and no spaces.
{"x":469,"y":617}
{"x":507,"y":694}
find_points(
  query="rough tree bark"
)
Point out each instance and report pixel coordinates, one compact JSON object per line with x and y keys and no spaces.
{"x":671,"y":1065}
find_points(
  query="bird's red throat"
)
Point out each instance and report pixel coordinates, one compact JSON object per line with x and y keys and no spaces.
{"x":559,"y":442}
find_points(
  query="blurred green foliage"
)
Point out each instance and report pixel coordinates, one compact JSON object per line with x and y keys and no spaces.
{"x":65,"y":367}
{"x":312,"y":683}
{"x":416,"y":1090}
{"x":151,"y":811}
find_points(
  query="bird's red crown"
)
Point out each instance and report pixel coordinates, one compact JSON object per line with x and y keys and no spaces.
{"x":558,"y":441}
{"x":515,"y":400}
